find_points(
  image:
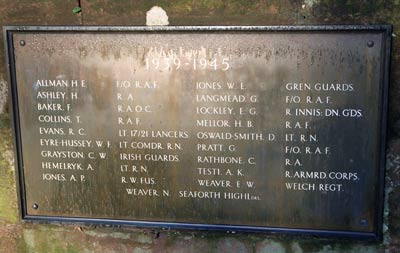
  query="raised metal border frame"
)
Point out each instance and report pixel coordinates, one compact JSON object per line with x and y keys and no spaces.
{"x":385,"y":30}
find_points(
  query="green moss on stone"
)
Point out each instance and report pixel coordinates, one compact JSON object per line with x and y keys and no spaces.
{"x":8,"y":205}
{"x":311,"y":245}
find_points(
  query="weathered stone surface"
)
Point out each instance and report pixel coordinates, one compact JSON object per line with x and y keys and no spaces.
{"x":3,"y":95}
{"x":186,"y":12}
{"x":231,"y":245}
{"x":156,"y":16}
{"x":270,"y":246}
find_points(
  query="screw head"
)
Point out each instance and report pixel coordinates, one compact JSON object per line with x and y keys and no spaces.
{"x":363,"y":222}
{"x":370,"y":43}
{"x":35,"y":206}
{"x":22,"y":42}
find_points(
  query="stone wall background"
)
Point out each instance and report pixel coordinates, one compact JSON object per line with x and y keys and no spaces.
{"x":18,"y":237}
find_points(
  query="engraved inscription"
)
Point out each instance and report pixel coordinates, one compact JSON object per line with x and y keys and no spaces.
{"x":253,"y":129}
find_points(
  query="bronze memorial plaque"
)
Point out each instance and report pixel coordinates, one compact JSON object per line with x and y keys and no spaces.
{"x":231,"y":128}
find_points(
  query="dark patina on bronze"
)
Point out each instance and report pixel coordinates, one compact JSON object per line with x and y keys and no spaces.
{"x":165,"y":67}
